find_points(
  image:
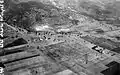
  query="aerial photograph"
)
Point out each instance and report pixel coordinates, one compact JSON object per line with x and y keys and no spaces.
{"x":59,"y":37}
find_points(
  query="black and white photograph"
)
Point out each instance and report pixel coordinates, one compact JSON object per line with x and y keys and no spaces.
{"x":59,"y":37}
